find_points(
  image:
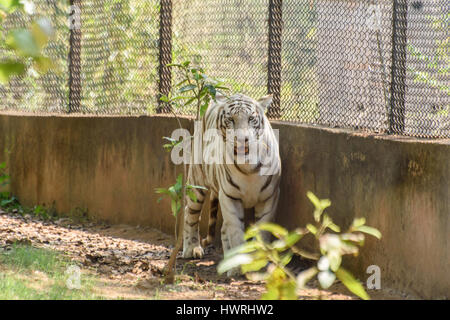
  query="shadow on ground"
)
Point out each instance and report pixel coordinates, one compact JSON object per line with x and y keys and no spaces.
{"x":127,"y":261}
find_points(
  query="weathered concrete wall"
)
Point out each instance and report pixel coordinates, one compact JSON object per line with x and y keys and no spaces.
{"x":111,"y":165}
{"x":400,"y":185}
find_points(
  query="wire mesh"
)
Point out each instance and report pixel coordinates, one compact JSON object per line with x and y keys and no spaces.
{"x":336,"y":56}
{"x":119,"y":56}
{"x":228,"y":38}
{"x":427,"y":103}
{"x":375,"y":65}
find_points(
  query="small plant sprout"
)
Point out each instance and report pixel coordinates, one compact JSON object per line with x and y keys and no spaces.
{"x":261,"y":260}
{"x":197,"y":89}
{"x":175,"y":194}
{"x":172,"y":143}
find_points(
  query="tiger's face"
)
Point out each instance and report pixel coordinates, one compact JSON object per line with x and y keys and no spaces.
{"x":242,"y":120}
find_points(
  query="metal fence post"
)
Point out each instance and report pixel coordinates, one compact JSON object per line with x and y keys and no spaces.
{"x":398,"y":69}
{"x":75,"y":56}
{"x":274,"y":56}
{"x":165,"y":53}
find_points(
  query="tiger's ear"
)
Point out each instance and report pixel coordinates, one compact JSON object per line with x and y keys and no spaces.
{"x":220,"y":97}
{"x":265,"y":102}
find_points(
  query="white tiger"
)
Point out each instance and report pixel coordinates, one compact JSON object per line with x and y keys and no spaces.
{"x":235,"y":185}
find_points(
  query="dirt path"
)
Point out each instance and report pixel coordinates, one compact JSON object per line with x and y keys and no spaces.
{"x":128,"y":261}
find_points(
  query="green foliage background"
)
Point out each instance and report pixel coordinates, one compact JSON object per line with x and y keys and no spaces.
{"x":37,"y":90}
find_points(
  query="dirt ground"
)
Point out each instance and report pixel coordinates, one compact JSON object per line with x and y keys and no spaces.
{"x":128,"y":261}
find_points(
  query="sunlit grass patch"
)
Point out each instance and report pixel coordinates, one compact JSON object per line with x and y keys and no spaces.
{"x":27,"y":272}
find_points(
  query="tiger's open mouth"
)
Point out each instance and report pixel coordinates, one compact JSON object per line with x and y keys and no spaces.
{"x":241,"y":150}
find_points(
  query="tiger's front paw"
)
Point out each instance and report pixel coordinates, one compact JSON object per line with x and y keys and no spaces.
{"x":192,"y":251}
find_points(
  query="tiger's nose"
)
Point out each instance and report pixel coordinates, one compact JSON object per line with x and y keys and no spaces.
{"x":238,"y":140}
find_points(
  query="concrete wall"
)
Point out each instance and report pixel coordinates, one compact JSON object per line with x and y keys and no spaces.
{"x":400,"y":185}
{"x":111,"y":165}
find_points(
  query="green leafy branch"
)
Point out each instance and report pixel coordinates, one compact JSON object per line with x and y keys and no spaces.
{"x":195,"y":88}
{"x":255,"y":254}
{"x":198,"y":89}
{"x":24,"y":45}
{"x":175,"y":193}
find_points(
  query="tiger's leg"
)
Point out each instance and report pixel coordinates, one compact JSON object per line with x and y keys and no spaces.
{"x":191,"y":236}
{"x":233,"y":224}
{"x":213,"y":208}
{"x":265,"y":211}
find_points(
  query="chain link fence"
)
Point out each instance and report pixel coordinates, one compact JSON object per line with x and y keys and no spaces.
{"x":374,"y":65}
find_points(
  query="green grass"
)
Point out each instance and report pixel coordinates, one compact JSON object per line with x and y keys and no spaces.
{"x":34,"y":273}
